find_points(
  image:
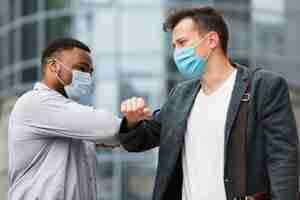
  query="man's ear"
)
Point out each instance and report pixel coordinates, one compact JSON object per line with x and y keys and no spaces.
{"x":53,"y":66}
{"x":214,"y":40}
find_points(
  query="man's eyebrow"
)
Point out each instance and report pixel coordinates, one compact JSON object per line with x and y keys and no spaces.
{"x":83,"y":63}
{"x":181,"y":38}
{"x":178,"y":39}
{"x":86,"y":64}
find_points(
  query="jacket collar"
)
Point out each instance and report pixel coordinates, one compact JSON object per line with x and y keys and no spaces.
{"x":44,"y":87}
{"x":40,"y":86}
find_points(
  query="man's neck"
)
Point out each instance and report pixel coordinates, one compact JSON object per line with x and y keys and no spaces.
{"x":52,"y":86}
{"x":217,"y":71}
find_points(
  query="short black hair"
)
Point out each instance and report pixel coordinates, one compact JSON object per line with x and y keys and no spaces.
{"x":60,"y":44}
{"x":205,"y":17}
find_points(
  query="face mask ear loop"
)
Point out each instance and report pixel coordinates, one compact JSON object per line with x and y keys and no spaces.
{"x":201,"y":40}
{"x":209,"y":53}
{"x":57,"y":76}
{"x":60,"y":80}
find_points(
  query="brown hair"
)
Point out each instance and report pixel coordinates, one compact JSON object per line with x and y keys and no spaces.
{"x":206,"y":18}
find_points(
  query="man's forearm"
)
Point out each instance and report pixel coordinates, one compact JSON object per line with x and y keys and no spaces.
{"x":141,"y":138}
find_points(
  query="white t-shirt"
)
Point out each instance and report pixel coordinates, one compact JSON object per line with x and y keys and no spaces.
{"x":203,"y":152}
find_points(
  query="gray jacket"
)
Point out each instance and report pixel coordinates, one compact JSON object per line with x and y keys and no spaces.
{"x":272,"y":137}
{"x":51,"y":141}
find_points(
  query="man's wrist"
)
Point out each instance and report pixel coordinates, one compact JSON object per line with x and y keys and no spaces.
{"x":131,"y":125}
{"x":126,"y":126}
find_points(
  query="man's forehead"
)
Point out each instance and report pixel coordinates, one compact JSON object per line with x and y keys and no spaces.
{"x":77,"y":55}
{"x":184,"y":28}
{"x":184,"y":24}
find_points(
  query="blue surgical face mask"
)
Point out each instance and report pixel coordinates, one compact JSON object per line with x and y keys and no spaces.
{"x":189,"y":64}
{"x":81,"y":84}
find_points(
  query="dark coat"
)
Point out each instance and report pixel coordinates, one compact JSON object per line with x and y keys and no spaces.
{"x":272,"y":139}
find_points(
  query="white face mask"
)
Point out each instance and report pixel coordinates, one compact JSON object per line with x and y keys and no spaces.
{"x":81,"y":83}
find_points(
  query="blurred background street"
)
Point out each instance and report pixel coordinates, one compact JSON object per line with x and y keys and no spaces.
{"x":133,"y":57}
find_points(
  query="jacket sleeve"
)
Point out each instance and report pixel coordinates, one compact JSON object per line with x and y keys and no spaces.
{"x":280,"y":131}
{"x":67,"y":119}
{"x":147,"y":134}
{"x":144,"y":137}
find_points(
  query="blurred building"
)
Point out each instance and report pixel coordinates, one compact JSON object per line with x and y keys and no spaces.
{"x":133,"y":57}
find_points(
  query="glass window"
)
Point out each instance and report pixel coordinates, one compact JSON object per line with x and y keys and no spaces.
{"x":147,"y":34}
{"x":269,"y":40}
{"x":1,"y":85}
{"x":12,"y":13}
{"x":269,"y":28}
{"x":239,"y":31}
{"x":186,"y":3}
{"x":30,"y":7}
{"x":295,"y":98}
{"x":58,"y":27}
{"x":143,"y":63}
{"x":2,"y":45}
{"x":29,"y":41}
{"x":2,"y":12}
{"x":29,"y":74}
{"x":151,"y":89}
{"x":97,"y":1}
{"x":105,"y":67}
{"x":125,"y":176}
{"x":101,"y":30}
{"x":138,"y":177}
{"x":105,"y":171}
{"x":55,"y":4}
{"x":140,"y":2}
{"x":2,"y":21}
{"x":106,"y":83}
{"x":6,"y":49}
{"x":10,"y":79}
{"x":11,"y":47}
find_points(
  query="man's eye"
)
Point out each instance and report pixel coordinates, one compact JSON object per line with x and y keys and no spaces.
{"x":82,"y":69}
{"x":183,"y":42}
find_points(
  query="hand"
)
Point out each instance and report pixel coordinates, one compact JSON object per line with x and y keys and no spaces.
{"x":135,"y":110}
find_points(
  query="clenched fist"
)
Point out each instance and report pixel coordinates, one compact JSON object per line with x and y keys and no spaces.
{"x":135,"y":110}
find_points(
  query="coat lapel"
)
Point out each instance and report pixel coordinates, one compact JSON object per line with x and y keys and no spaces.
{"x":240,"y":87}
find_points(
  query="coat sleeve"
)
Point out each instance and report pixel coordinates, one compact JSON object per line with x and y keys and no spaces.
{"x":68,"y":119}
{"x":144,"y":137}
{"x":147,"y":134}
{"x":280,"y":131}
